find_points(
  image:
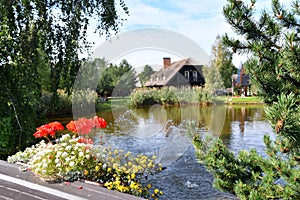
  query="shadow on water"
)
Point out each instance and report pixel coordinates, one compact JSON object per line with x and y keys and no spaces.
{"x":161,"y":131}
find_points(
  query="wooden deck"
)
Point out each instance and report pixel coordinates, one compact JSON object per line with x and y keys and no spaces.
{"x":24,"y":185}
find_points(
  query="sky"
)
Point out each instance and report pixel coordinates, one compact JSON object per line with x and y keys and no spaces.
{"x":199,"y":20}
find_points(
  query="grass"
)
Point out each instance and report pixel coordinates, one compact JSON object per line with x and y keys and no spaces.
{"x":238,"y":100}
{"x":113,"y":103}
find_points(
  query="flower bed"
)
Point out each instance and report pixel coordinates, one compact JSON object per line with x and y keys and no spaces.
{"x":72,"y":156}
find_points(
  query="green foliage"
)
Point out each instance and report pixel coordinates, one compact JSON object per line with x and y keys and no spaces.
{"x":6,"y":147}
{"x":63,"y":104}
{"x":144,"y":97}
{"x":169,"y":96}
{"x":286,"y":122}
{"x":213,"y":79}
{"x":145,"y":75}
{"x":117,"y":80}
{"x":39,"y":46}
{"x":273,"y":43}
{"x":222,"y":59}
{"x":248,"y":175}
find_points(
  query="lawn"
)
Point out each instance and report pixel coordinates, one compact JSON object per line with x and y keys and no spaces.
{"x":238,"y":100}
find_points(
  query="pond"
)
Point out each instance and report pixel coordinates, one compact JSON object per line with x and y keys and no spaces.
{"x":162,"y":131}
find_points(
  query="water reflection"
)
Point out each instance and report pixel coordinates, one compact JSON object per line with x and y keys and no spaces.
{"x":245,"y":127}
{"x":162,"y":131}
{"x":240,"y":127}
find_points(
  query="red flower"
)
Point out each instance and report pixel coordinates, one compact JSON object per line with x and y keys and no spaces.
{"x":48,"y":129}
{"x":99,"y":122}
{"x":72,"y":126}
{"x":84,"y":125}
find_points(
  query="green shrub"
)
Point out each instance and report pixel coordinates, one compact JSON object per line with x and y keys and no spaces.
{"x":169,"y":96}
{"x":63,"y":104}
{"x":6,"y":144}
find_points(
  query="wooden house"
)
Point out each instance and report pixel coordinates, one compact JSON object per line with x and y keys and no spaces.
{"x":241,"y":82}
{"x":184,"y":72}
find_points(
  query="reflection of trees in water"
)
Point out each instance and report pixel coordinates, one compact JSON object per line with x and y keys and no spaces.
{"x":240,"y":115}
{"x":216,"y":119}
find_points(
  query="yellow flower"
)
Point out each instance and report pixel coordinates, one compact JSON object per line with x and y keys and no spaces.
{"x":108,"y":169}
{"x":149,"y":186}
{"x":132,"y":176}
{"x":161,"y":193}
{"x":156,"y":191}
{"x":85,"y":172}
{"x":97,"y":168}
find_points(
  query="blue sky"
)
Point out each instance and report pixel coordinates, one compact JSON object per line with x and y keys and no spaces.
{"x":199,"y":20}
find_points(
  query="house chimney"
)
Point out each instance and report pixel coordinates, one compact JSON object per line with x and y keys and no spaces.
{"x":167,"y":62}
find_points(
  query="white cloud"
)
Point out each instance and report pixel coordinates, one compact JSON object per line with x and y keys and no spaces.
{"x":200,"y":20}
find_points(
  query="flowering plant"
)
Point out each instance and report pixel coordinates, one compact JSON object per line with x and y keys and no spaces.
{"x":74,"y":157}
{"x":85,"y":126}
{"x":48,"y":130}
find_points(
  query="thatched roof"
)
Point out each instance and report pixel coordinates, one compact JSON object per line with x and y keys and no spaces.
{"x":163,"y":76}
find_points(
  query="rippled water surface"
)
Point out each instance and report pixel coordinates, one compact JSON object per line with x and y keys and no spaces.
{"x":162,"y":131}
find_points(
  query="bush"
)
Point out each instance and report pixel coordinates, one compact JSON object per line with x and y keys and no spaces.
{"x":169,"y":96}
{"x":250,"y":176}
{"x":63,"y":105}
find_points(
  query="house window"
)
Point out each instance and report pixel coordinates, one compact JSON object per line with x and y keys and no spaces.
{"x":187,"y":75}
{"x":195,"y":75}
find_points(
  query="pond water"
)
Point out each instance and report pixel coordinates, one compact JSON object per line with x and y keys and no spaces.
{"x":162,"y":131}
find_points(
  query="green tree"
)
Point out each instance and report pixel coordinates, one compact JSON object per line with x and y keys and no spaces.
{"x":40,"y":44}
{"x":273,"y":42}
{"x":117,"y":80}
{"x":213,"y":79}
{"x":145,"y":75}
{"x":222,"y":58}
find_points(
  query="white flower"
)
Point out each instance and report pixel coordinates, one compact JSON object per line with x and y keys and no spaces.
{"x":81,"y":154}
{"x":64,"y":154}
{"x":69,"y":147}
{"x":68,"y":159}
{"x":87,"y":151}
{"x":45,"y":165}
{"x":104,"y":166}
{"x":58,"y":165}
{"x":73,"y":158}
{"x":72,"y":163}
{"x":57,"y":160}
{"x":58,"y":154}
{"x":87,"y":156}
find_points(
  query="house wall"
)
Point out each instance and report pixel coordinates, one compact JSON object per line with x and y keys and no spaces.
{"x":180,"y":80}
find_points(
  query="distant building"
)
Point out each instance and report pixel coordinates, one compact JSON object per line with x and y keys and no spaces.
{"x":241,"y":82}
{"x":184,"y":72}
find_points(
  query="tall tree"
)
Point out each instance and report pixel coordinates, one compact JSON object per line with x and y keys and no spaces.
{"x":145,"y":75}
{"x":117,"y":80}
{"x":39,"y":34}
{"x":273,"y":41}
{"x":213,"y":79}
{"x":222,"y":59}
